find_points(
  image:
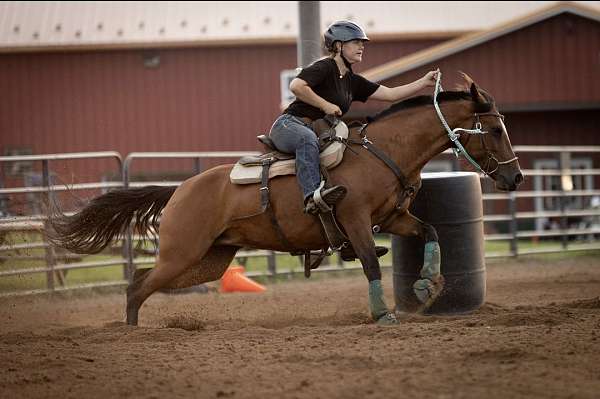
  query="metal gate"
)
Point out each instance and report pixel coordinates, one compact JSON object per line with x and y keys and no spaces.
{"x":26,"y":259}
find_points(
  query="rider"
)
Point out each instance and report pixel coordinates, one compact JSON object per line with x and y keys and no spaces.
{"x":328,"y":87}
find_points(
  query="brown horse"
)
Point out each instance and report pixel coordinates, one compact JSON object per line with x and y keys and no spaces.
{"x":204,"y":221}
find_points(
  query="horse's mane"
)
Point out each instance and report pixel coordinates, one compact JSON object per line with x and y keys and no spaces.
{"x":444,"y":96}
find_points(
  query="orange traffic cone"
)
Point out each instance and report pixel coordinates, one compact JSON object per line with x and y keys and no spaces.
{"x":233,"y":280}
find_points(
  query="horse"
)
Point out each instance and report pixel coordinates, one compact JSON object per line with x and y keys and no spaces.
{"x":207,"y":219}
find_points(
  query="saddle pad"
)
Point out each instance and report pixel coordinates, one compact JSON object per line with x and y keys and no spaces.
{"x":330,"y":157}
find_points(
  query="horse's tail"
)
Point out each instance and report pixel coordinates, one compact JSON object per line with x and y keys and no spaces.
{"x":108,"y":216}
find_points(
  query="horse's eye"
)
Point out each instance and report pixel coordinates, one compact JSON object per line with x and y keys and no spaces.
{"x":497,"y":131}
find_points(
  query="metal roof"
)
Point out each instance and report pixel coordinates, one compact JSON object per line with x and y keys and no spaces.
{"x":40,"y":25}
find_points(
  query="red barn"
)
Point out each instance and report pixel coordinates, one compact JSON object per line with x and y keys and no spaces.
{"x":215,"y":96}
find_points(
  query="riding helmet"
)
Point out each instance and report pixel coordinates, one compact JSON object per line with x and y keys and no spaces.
{"x":343,"y":31}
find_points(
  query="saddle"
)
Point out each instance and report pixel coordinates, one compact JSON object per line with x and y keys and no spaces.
{"x":249,"y":169}
{"x":333,"y":135}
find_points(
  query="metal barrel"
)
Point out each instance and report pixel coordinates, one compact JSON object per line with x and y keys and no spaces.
{"x":452,"y":203}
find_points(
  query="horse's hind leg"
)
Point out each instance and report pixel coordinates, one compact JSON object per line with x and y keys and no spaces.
{"x":210,"y":268}
{"x":133,"y":301}
{"x":158,"y":277}
{"x":431,"y":283}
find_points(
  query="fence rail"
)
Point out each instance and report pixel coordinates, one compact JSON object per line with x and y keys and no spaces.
{"x":127,"y":259}
{"x":37,"y":222}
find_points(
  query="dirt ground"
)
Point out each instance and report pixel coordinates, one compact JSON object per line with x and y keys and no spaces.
{"x":537,"y":335}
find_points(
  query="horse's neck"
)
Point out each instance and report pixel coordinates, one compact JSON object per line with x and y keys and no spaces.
{"x":414,"y":136}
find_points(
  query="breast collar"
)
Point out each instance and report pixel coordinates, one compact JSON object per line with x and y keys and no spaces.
{"x":407,"y":190}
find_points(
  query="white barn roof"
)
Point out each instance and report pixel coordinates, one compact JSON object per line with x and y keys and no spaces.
{"x":33,"y":25}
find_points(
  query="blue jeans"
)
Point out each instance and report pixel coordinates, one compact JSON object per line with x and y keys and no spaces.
{"x":291,"y":135}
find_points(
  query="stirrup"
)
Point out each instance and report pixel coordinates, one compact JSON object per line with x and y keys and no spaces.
{"x":308,"y":265}
{"x":322,"y":199}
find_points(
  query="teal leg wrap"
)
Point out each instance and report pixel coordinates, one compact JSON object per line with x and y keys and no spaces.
{"x":431,"y":260}
{"x":424,"y":288}
{"x":379,"y":310}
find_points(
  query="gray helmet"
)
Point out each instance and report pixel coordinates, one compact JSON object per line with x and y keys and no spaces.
{"x":343,"y":31}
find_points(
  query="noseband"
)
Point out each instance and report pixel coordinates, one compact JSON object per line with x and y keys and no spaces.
{"x":454,"y":136}
{"x":490,"y":155}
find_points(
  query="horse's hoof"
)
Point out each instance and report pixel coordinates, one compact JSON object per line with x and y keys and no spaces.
{"x":423,"y":289}
{"x":427,"y":290}
{"x":388,"y":319}
{"x":401,"y":314}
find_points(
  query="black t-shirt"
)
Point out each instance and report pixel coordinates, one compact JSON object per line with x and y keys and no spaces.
{"x":323,"y":77}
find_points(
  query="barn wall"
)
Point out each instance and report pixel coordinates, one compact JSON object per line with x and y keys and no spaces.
{"x":197,"y":99}
{"x":549,"y":64}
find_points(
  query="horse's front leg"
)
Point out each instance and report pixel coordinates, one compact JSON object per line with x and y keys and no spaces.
{"x":359,"y":233}
{"x":430,"y":285}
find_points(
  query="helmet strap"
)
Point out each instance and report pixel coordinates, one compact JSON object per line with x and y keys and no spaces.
{"x":346,"y":62}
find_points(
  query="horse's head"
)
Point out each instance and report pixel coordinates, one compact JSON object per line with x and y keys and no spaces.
{"x":491,"y":149}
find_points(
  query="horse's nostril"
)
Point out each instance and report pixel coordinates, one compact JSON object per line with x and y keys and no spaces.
{"x":519,"y":178}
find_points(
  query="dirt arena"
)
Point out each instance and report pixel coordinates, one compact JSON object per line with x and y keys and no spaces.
{"x":537,"y":336}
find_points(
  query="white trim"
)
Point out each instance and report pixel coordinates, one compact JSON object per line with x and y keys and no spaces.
{"x":285,"y":78}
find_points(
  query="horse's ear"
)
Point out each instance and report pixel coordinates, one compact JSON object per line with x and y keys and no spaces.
{"x":476,"y":95}
{"x":472,"y":87}
{"x":467,"y":79}
{"x":467,"y":82}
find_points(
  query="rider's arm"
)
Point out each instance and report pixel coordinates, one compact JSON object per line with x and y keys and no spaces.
{"x":304,"y":93}
{"x":393,"y":94}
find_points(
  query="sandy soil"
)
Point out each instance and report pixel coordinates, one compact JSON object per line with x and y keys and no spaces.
{"x":537,"y":335}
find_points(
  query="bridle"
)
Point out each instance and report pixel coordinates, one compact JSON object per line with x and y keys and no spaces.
{"x":491,"y":158}
{"x":407,"y":189}
{"x":454,"y":136}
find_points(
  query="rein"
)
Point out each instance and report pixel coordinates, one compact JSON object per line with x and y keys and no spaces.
{"x":454,"y":136}
{"x":408,"y":190}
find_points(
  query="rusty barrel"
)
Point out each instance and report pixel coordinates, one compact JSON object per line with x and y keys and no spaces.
{"x":452,"y":203}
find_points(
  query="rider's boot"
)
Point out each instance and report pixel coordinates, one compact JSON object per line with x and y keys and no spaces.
{"x":330,"y":195}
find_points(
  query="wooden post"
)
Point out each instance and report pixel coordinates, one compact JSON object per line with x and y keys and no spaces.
{"x":50,"y":256}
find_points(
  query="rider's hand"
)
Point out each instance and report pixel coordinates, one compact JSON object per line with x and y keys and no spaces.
{"x":332,"y":109}
{"x":430,"y":78}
